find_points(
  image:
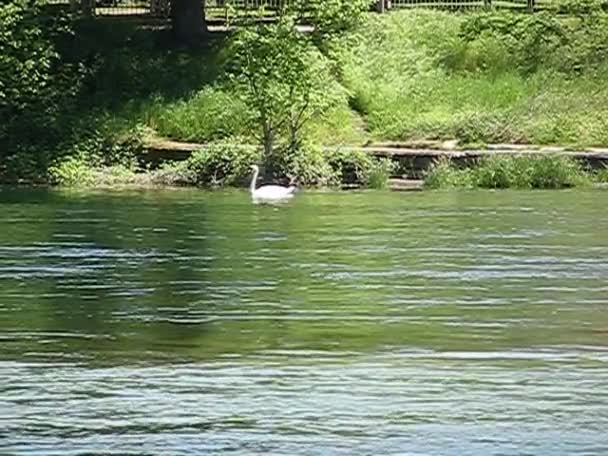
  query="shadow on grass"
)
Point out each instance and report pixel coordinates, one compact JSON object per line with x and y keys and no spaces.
{"x":118,"y":67}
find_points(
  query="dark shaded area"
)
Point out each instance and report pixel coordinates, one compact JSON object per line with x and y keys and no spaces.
{"x":99,"y":68}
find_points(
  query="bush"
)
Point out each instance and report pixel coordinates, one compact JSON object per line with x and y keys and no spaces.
{"x":282,"y":77}
{"x":444,"y":174}
{"x":501,"y":40}
{"x":601,"y":176}
{"x":525,"y":171}
{"x":331,"y":16}
{"x":523,"y":40}
{"x":551,"y":172}
{"x":378,"y":173}
{"x":358,"y":167}
{"x":220,"y":164}
{"x":74,"y":171}
{"x":35,"y":85}
{"x":307,"y":165}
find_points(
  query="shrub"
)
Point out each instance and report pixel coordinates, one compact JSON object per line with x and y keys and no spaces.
{"x":551,"y":172}
{"x":73,"y":171}
{"x":601,"y":176}
{"x":524,"y":171}
{"x":358,"y":167}
{"x":444,"y":174}
{"x":378,"y":173}
{"x":494,"y":172}
{"x":282,"y":77}
{"x":331,"y":16}
{"x":526,"y":39}
{"x":35,"y":85}
{"x":173,"y":174}
{"x":481,"y":77}
{"x":307,"y":165}
{"x":221,"y":164}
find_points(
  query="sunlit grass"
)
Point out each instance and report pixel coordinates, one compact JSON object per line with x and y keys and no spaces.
{"x":524,"y":172}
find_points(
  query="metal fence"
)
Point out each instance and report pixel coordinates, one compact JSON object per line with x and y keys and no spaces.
{"x":530,"y":5}
{"x":225,"y":9}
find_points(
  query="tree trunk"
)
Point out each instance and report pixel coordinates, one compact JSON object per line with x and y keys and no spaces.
{"x":87,"y":7}
{"x":268,"y":139}
{"x":159,"y":8}
{"x":188,"y":19}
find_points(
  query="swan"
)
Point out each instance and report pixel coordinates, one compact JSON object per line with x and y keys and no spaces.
{"x":269,"y":193}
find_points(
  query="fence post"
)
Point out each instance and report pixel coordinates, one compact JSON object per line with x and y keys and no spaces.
{"x":87,"y":7}
{"x":488,"y":4}
{"x":531,"y":5}
{"x":380,"y":6}
{"x":159,"y":8}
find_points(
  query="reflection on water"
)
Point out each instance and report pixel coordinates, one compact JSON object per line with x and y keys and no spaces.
{"x":344,"y":323}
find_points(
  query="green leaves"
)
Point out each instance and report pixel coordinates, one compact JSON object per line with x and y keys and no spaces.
{"x":282,"y":77}
{"x":525,"y":172}
{"x":331,"y":16}
{"x":33,"y":82}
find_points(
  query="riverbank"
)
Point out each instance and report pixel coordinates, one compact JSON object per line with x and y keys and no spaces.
{"x":398,"y":166}
{"x":410,"y":77}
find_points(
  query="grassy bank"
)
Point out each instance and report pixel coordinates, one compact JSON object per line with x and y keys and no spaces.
{"x":481,"y":77}
{"x":521,"y":172}
{"x":477,"y":77}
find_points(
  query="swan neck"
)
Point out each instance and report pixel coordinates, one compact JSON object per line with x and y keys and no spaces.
{"x":254,"y":180}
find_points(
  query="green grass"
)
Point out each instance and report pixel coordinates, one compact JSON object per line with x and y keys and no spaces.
{"x":209,"y":114}
{"x":412,"y":75}
{"x":523,"y":172}
{"x":409,"y":75}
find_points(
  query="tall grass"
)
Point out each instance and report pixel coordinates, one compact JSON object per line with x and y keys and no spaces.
{"x":524,"y":172}
{"x":420,"y":74}
{"x":430,"y":74}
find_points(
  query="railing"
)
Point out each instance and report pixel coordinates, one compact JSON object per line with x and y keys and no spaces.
{"x":224,"y":9}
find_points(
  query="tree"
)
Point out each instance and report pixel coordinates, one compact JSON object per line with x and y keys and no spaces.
{"x":35,"y":85}
{"x":284,"y":79}
{"x":188,"y":19}
{"x":331,"y":16}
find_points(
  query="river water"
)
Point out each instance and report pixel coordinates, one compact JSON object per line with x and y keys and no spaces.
{"x":189,"y":322}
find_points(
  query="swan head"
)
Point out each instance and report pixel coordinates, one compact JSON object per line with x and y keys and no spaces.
{"x":255,"y":168}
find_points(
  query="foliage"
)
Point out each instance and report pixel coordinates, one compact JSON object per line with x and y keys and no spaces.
{"x":228,"y":164}
{"x":444,"y":174}
{"x":220,"y":164}
{"x":601,"y":176}
{"x":306,"y":164}
{"x":527,"y":38}
{"x":581,"y":8}
{"x":478,"y":77}
{"x":525,"y":171}
{"x":551,"y":172}
{"x":34,"y":85}
{"x":74,"y":171}
{"x":98,"y":159}
{"x":210,"y":114}
{"x":77,"y":171}
{"x":359,"y":167}
{"x":282,"y":78}
{"x":331,"y":16}
{"x":311,"y":166}
{"x":378,"y":173}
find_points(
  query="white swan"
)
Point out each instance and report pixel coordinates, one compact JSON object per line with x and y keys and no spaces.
{"x":268,"y":193}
